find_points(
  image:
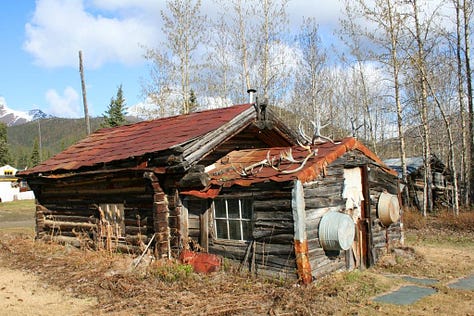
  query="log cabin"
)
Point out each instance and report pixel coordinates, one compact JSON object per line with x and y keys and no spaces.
{"x":297,"y":212}
{"x":231,"y":182}
{"x":442,"y":181}
{"x":118,"y":188}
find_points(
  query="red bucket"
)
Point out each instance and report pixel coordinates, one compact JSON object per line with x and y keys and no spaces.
{"x":200,"y":261}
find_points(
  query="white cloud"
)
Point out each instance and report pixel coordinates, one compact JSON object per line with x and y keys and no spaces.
{"x":111,"y":31}
{"x":66,"y":105}
{"x":325,"y":12}
{"x":60,"y":28}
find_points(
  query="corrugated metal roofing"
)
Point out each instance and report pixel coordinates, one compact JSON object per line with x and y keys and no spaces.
{"x":225,"y":172}
{"x":119,"y":143}
{"x":412,"y":163}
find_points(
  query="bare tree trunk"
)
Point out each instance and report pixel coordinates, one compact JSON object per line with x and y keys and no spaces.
{"x":243,"y":44}
{"x":266,"y":48}
{"x":452,"y":158}
{"x":84,"y":97}
{"x":420,"y":64}
{"x":465,"y":170}
{"x":368,"y":113}
{"x":396,"y":85}
{"x":467,"y":57}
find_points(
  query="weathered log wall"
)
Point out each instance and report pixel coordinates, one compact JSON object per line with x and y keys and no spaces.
{"x":69,"y":208}
{"x":271,"y":250}
{"x":325,"y":194}
{"x":382,"y":237}
{"x":321,"y":196}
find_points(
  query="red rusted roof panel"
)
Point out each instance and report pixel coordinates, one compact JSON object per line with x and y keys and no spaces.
{"x":245,"y":167}
{"x":115,"y":144}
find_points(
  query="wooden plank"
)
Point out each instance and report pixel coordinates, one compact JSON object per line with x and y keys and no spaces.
{"x":69,"y":225}
{"x":276,"y":238}
{"x":272,"y":205}
{"x":315,"y":213}
{"x":324,"y":190}
{"x":320,"y":202}
{"x":273,"y":216}
{"x":204,"y":230}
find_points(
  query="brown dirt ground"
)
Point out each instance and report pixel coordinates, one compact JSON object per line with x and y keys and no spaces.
{"x":24,"y":294}
{"x":48,"y":279}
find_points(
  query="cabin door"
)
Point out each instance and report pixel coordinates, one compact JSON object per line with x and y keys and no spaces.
{"x":354,"y":193}
{"x":196,"y":212}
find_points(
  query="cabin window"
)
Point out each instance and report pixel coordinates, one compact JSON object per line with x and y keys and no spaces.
{"x":112,"y":220}
{"x":233,"y":219}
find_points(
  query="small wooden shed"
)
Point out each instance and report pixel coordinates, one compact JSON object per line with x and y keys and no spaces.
{"x":442,"y":178}
{"x":297,"y":212}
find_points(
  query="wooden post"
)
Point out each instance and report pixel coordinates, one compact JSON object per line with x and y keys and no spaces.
{"x":204,"y":227}
{"x":301,"y":243}
{"x":161,"y":227}
{"x":84,"y":97}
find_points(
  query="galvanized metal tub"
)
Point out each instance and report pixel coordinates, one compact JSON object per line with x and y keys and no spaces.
{"x":336,"y":231}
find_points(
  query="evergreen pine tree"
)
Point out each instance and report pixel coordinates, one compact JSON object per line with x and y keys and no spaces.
{"x":35,"y":155}
{"x":192,"y":101}
{"x":115,"y":114}
{"x":4,"y":153}
{"x":22,"y":159}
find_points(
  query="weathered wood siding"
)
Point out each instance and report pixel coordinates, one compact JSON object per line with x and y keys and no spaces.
{"x":325,"y":194}
{"x":321,"y":196}
{"x":271,"y":250}
{"x":382,"y":237}
{"x":68,"y":209}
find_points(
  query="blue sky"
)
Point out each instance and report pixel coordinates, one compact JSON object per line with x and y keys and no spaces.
{"x":41,"y":39}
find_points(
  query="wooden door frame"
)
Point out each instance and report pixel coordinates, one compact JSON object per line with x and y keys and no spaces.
{"x":368,"y":215}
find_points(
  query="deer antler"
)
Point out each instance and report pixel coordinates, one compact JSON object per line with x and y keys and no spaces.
{"x":303,"y":134}
{"x":317,"y":133}
{"x":248,"y":171}
{"x":311,"y":154}
{"x":271,"y":161}
{"x":288,"y":155}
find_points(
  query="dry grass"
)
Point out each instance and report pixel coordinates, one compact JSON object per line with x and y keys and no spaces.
{"x":444,"y":220}
{"x":438,"y":247}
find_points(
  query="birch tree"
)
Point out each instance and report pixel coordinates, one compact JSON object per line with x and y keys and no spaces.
{"x":174,"y":63}
{"x":388,"y":21}
{"x":467,"y":12}
{"x":465,"y":170}
{"x":257,"y":29}
{"x":352,"y":33}
{"x":419,"y":62}
{"x":221,"y":82}
{"x":311,"y":76}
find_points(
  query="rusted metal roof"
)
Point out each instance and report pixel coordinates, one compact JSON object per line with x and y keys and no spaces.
{"x":247,"y":167}
{"x":123,"y":142}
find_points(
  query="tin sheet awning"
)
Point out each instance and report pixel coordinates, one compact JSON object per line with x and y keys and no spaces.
{"x":119,"y":143}
{"x":247,"y":167}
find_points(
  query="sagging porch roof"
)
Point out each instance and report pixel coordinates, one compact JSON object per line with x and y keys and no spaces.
{"x":247,"y":167}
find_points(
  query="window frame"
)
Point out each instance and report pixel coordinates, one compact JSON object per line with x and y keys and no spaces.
{"x":228,"y":219}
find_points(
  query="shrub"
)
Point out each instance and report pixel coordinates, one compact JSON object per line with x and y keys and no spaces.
{"x":169,"y":271}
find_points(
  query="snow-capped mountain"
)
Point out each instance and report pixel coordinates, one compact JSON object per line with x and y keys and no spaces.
{"x":12,"y":117}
